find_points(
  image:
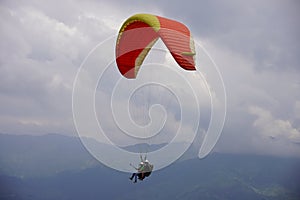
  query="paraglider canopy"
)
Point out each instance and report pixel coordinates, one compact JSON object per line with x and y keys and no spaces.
{"x":140,"y":32}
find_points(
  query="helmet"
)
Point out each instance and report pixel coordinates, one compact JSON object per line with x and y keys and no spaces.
{"x":146,"y":161}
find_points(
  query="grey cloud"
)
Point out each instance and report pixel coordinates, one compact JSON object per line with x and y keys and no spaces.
{"x":263,"y":31}
{"x":255,"y":45}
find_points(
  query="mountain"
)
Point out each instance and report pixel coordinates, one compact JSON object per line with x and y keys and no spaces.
{"x":37,"y":156}
{"x":217,"y":177}
{"x":27,"y":156}
{"x":144,"y":147}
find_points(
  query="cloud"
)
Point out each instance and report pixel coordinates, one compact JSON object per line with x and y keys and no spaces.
{"x":263,"y":32}
{"x":274,"y":136}
{"x":39,"y":59}
{"x":255,"y":44}
{"x":270,"y":90}
{"x":270,"y":127}
{"x":297,"y":109}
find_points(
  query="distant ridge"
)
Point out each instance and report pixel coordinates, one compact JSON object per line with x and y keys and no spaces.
{"x":55,"y":167}
{"x":143,"y":147}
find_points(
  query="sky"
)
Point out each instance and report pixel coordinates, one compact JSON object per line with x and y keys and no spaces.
{"x":255,"y":45}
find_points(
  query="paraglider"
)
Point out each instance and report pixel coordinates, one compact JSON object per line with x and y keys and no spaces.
{"x":136,"y":37}
{"x":143,"y":170}
{"x":140,"y":32}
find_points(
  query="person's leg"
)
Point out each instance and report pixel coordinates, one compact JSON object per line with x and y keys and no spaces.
{"x":139,"y":176}
{"x":147,"y":174}
{"x":135,"y":177}
{"x":133,"y":174}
